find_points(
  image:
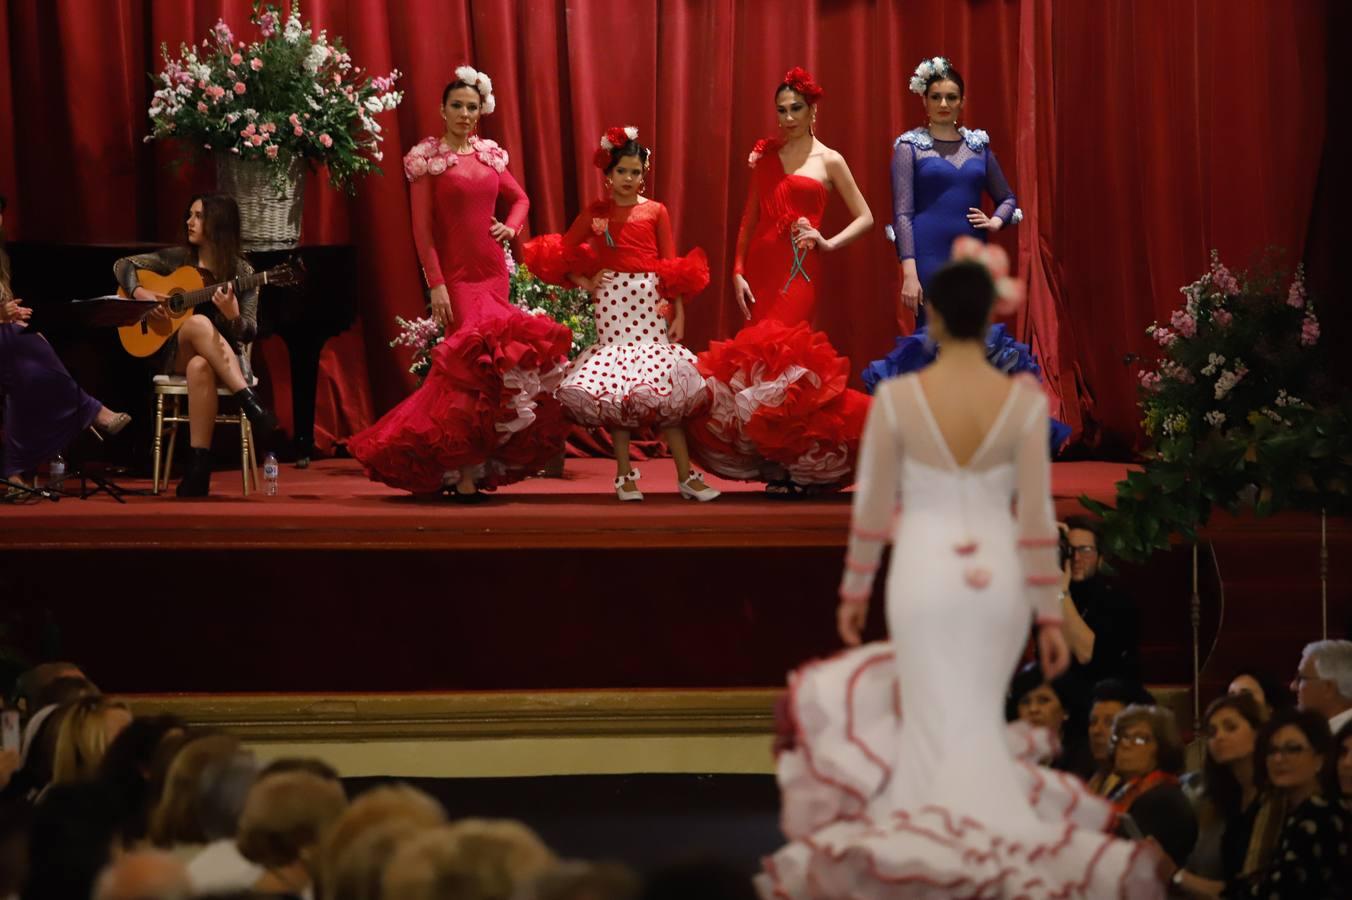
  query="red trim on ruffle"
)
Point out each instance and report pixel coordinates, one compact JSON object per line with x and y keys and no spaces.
{"x":849,"y":715}
{"x":860,"y":599}
{"x":1044,"y":580}
{"x":861,"y":568}
{"x":870,"y":535}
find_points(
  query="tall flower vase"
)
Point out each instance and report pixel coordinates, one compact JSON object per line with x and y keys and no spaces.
{"x":269,"y":208}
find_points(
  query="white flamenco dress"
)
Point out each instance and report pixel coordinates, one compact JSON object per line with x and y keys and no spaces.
{"x":904,"y":780}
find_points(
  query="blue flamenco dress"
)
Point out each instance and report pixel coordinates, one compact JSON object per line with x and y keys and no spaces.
{"x":934,"y":183}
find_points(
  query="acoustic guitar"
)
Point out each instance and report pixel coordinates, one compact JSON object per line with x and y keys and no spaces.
{"x":186,"y":288}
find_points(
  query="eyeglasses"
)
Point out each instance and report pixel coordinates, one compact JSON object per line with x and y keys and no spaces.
{"x":1288,"y":749}
{"x":1137,"y":740}
{"x":1084,"y":549}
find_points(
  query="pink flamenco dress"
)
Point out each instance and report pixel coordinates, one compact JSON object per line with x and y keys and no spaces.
{"x":488,"y":401}
{"x":781,"y":411}
{"x":899,"y":776}
{"x":633,"y":376}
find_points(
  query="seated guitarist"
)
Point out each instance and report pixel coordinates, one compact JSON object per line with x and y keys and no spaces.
{"x":209,"y":347}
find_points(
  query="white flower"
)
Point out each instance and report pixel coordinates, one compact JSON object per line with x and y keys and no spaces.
{"x":631,"y":132}
{"x":200,"y":71}
{"x":292,"y":30}
{"x":940,"y":64}
{"x":374,"y":105}
{"x":467,"y":74}
{"x":484,"y":84}
{"x":315,"y":58}
{"x":1214,"y":362}
{"x":1215,"y":418}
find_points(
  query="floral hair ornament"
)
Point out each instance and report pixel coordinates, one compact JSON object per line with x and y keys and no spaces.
{"x":935,"y":67}
{"x":614,"y":137}
{"x":801,"y":82}
{"x":481,"y":83}
{"x":1008,"y":290}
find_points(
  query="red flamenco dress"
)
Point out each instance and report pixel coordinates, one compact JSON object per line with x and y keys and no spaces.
{"x":781,"y":411}
{"x":488,"y":400}
{"x":633,"y":376}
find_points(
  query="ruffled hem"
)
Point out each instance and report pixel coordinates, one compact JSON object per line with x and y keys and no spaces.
{"x":551,"y":260}
{"x":845,"y":718}
{"x":684,"y":276}
{"x":488,"y":402}
{"x":779,"y":408}
{"x":634,"y":386}
{"x":915,"y":351}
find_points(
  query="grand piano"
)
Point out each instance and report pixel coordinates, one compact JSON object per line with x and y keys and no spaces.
{"x":50,"y":274}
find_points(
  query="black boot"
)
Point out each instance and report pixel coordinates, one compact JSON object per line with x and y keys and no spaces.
{"x":196,"y":480}
{"x":264,"y":423}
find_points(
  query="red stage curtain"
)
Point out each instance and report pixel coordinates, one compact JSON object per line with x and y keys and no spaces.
{"x":1138,"y":135}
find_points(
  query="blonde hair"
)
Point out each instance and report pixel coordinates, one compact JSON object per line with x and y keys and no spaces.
{"x":353,"y":854}
{"x":83,"y":739}
{"x":285,"y":814}
{"x":473,"y":859}
{"x":175,"y":820}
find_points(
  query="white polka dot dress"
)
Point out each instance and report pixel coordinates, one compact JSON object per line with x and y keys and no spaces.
{"x":632,"y":377}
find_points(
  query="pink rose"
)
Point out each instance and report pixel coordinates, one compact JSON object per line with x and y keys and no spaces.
{"x":1185,"y":323}
{"x":256,"y":139}
{"x":1164,"y":337}
{"x":272,"y":151}
{"x":293,"y":119}
{"x":255,"y":64}
{"x":298,"y":131}
{"x":1296,"y":296}
{"x":270,"y":127}
{"x":337,"y":79}
{"x":1309,"y":331}
{"x":326,"y":140}
{"x":239,"y":87}
{"x":1222,"y":317}
{"x":1150,"y":381}
{"x":415,"y":167}
{"x":236,"y":59}
{"x":436,"y":165}
{"x":201,"y":107}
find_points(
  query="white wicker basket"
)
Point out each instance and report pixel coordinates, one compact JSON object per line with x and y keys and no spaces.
{"x":269,"y":218}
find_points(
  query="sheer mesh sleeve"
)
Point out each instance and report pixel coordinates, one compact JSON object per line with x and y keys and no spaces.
{"x":1038,"y":539}
{"x":420,"y":196}
{"x":998,"y":188}
{"x":511,"y":191}
{"x":875,"y":499}
{"x":903,"y":199}
{"x":666,"y":244}
{"x":244,"y":329}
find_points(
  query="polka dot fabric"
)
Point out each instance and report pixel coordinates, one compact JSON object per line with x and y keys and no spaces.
{"x":632,"y":377}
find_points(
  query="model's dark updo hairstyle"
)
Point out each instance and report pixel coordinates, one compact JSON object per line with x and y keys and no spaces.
{"x":964,"y":294}
{"x":446,"y":92}
{"x":952,"y":75}
{"x":630,"y":147}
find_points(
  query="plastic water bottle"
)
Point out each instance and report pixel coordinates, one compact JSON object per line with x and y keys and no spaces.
{"x":270,"y":472}
{"x":56,"y":473}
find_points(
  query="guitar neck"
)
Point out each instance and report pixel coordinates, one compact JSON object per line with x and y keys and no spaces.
{"x":242,"y":284}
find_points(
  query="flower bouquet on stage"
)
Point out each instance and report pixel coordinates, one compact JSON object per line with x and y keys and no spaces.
{"x":268,"y":109}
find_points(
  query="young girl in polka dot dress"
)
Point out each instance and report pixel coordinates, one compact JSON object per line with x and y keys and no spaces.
{"x":636,"y":375}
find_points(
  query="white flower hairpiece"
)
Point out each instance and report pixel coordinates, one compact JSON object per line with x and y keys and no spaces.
{"x":481,"y":82}
{"x":936,"y":66}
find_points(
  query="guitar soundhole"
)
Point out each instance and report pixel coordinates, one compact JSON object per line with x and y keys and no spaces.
{"x":176,"y":304}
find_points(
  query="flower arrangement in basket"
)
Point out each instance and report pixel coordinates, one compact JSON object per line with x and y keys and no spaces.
{"x":288,"y":96}
{"x":1237,"y":408}
{"x":572,"y":307}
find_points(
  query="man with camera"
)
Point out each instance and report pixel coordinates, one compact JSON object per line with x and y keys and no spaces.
{"x":1102,"y":626}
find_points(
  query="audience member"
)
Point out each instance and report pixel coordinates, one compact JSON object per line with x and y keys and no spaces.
{"x":38,"y":687}
{"x":1054,"y":705}
{"x":144,"y":875}
{"x":284,"y":818}
{"x":1264,"y":687}
{"x":128,"y":768}
{"x":1108,"y":698}
{"x":473,"y":859}
{"x":353,"y":856}
{"x":203,"y":795}
{"x":86,"y":731}
{"x":1102,"y":625}
{"x":1147,"y":757}
{"x":1343,"y":747}
{"x":1323,"y":683}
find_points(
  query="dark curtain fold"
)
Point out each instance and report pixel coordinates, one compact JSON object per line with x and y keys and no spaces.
{"x":1138,"y":136}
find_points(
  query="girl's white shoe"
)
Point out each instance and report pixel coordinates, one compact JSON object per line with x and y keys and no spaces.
{"x":633,"y":493}
{"x":703,"y":495}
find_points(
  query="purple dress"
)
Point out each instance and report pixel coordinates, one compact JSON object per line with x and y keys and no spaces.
{"x":44,"y":407}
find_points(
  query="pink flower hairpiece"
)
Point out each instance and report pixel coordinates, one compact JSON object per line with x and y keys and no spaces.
{"x":1009,"y":293}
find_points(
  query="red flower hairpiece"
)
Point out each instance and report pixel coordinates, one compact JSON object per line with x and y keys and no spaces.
{"x":614,"y":137}
{"x":800,"y":80}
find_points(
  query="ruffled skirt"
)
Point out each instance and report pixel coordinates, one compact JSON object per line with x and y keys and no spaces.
{"x":487,"y":403}
{"x":632,"y":377}
{"x":780,"y":408}
{"x":849,"y":838}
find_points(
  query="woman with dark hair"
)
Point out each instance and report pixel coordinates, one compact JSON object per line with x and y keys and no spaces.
{"x":1055,"y":704}
{"x":1237,"y":821}
{"x":637,"y":375}
{"x":1313,"y":857}
{"x":485,"y":415}
{"x":209,"y":348}
{"x":128,"y":768}
{"x":1147,"y":755}
{"x":939,"y":172}
{"x":781,"y":412}
{"x":44,"y":408}
{"x":902,"y":775}
{"x":1267,"y":690}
